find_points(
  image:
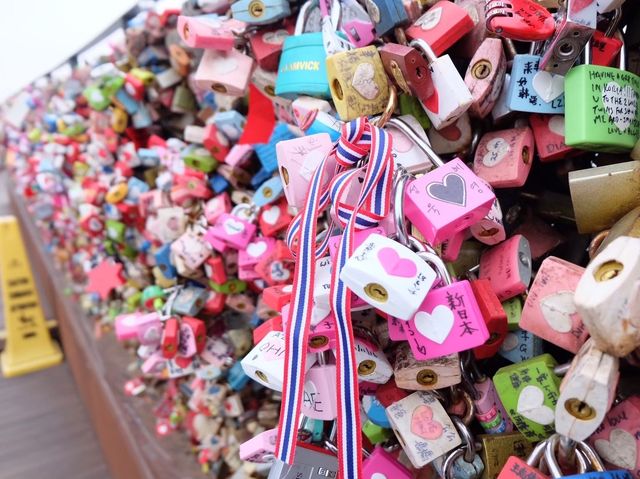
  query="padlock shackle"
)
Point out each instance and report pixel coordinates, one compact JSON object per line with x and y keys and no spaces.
{"x":419,"y":141}
{"x":449,"y":461}
{"x":437,"y":262}
{"x":550,"y":457}
{"x":303,"y":15}
{"x":467,"y":437}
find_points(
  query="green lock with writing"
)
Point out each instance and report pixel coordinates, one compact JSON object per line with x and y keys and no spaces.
{"x":529,"y":391}
{"x":601,"y":107}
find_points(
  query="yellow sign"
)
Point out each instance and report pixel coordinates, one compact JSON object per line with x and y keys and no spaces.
{"x":29,"y":347}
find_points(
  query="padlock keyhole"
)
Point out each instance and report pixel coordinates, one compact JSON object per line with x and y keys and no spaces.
{"x":186,"y":31}
{"x":337,"y":89}
{"x":579,"y":409}
{"x":608,"y":270}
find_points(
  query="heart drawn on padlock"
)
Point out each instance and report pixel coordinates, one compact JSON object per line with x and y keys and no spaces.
{"x":451,"y":190}
{"x":556,"y":125}
{"x":271,"y":215}
{"x":557,"y":309}
{"x":423,"y":424}
{"x":497,"y":150}
{"x":619,"y":450}
{"x":547,"y":85}
{"x":257,"y":249}
{"x":510,"y":342}
{"x":233,"y":227}
{"x":430,"y":19}
{"x":432,"y":103}
{"x":226,"y":65}
{"x":620,"y":104}
{"x":531,"y":406}
{"x":363,"y":81}
{"x":435,"y":326}
{"x":394,"y":265}
{"x":275,"y":38}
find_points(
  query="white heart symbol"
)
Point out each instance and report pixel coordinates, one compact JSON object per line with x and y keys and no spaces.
{"x":510,"y":342}
{"x":275,"y":38}
{"x":435,"y":326}
{"x":271,"y":215}
{"x":556,"y":125}
{"x":233,"y":227}
{"x":378,"y":475}
{"x":226,"y":65}
{"x":620,"y":104}
{"x":363,"y":81}
{"x":497,"y":149}
{"x":256,"y":250}
{"x":557,"y":310}
{"x":619,"y":450}
{"x":530,"y":406}
{"x":287,"y":289}
{"x":548,"y":86}
{"x":430,"y":19}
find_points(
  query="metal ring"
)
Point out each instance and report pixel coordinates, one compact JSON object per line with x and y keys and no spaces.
{"x":552,"y":463}
{"x":467,"y":438}
{"x":591,"y":455}
{"x":398,"y":207}
{"x":417,"y":139}
{"x":434,"y":260}
{"x":449,"y":461}
{"x":596,"y":242}
{"x":383,"y":119}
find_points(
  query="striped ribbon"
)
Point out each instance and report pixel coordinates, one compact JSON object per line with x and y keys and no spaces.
{"x":359,"y":139}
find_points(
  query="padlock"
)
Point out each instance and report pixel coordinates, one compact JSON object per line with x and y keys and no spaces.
{"x":516,"y":467}
{"x":309,"y":461}
{"x":628,"y":225}
{"x":409,"y":146}
{"x":607,"y":297}
{"x":615,"y":440}
{"x":503,"y":158}
{"x":550,"y":311}
{"x":224,"y":72}
{"x":232,"y":231}
{"x":576,"y":26}
{"x":266,"y":46}
{"x":375,"y":411}
{"x":522,"y":20}
{"x":297,"y":161}
{"x":381,"y":464}
{"x":485,"y":76}
{"x":529,"y":392}
{"x":427,"y":375}
{"x":497,"y":448}
{"x":609,"y":119}
{"x":302,"y":69}
{"x":591,"y":194}
{"x":359,"y":86}
{"x":447,"y":200}
{"x":605,"y":46}
{"x":441,"y":26}
{"x":260,"y":12}
{"x":586,"y":392}
{"x":274,"y":218}
{"x":209,"y":31}
{"x":508,"y":267}
{"x":548,"y":131}
{"x":386,"y":15}
{"x":532,"y":89}
{"x":494,"y":317}
{"x":448,"y":320}
{"x":249,"y":257}
{"x":489,"y":410}
{"x":170,"y":338}
{"x":520,"y":345}
{"x":373,"y":365}
{"x":192,"y":249}
{"x":451,"y":97}
{"x":187,"y":342}
{"x":356,"y":24}
{"x":407,"y":69}
{"x":490,"y":229}
{"x":265,"y":362}
{"x":319,"y":395}
{"x":189,"y":301}
{"x":422,"y":427}
{"x":455,"y":138}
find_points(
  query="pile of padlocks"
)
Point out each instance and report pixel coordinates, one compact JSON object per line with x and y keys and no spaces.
{"x":293,"y":213}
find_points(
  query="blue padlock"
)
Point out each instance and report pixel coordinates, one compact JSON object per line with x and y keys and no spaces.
{"x":268,"y":192}
{"x":260,"y":12}
{"x":375,"y":411}
{"x":267,"y":153}
{"x":163,"y":261}
{"x":218,"y":183}
{"x":325,"y":123}
{"x":259,"y":177}
{"x":386,"y":15}
{"x":230,"y":122}
{"x":236,"y":377}
{"x":189,"y":301}
{"x":532,"y":90}
{"x":135,"y":188}
{"x":130,"y":105}
{"x":520,"y":345}
{"x":148,"y":157}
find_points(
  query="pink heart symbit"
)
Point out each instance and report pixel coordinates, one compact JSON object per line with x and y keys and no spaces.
{"x":423,"y":425}
{"x":394,"y":265}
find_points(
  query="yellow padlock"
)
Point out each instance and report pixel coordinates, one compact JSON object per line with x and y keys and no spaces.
{"x":119,"y":120}
{"x":358,"y":83}
{"x":117,"y":193}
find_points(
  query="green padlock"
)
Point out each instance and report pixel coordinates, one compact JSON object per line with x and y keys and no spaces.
{"x":529,"y":391}
{"x":601,"y":107}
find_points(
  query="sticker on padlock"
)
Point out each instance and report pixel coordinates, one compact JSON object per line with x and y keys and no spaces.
{"x":532,"y":89}
{"x":426,"y":375}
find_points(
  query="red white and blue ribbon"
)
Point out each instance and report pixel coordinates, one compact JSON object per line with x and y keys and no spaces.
{"x":359,"y":139}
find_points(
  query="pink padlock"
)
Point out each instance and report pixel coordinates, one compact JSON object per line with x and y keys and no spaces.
{"x":503,"y":158}
{"x":450,"y":249}
{"x":261,"y":448}
{"x":319,"y":395}
{"x":490,"y":411}
{"x":322,"y":336}
{"x":485,"y":76}
{"x":239,"y":155}
{"x":252,"y":254}
{"x":490,"y":229}
{"x":359,"y":32}
{"x":380,"y":464}
{"x":233,"y":231}
{"x":207,"y":31}
{"x":297,"y":161}
{"x":396,"y":329}
{"x":224,"y":72}
{"x":549,"y":311}
{"x":447,"y":200}
{"x":154,"y":364}
{"x":508,"y":267}
{"x":448,"y":321}
{"x":192,"y":249}
{"x":548,"y":131}
{"x":138,"y":326}
{"x":149,"y":329}
{"x":187,"y":345}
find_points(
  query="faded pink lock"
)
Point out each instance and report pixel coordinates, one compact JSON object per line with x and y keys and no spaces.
{"x":149,"y":330}
{"x":297,"y":161}
{"x":216,"y":207}
{"x":447,"y":200}
{"x":187,"y":344}
{"x":508,"y":267}
{"x":549,"y":311}
{"x":448,"y":321}
{"x":490,"y":411}
{"x":319,"y":395}
{"x":255,"y":251}
{"x":380,"y":464}
{"x":233,"y":231}
{"x":503,"y":158}
{"x":396,"y":329}
{"x":260,"y":448}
